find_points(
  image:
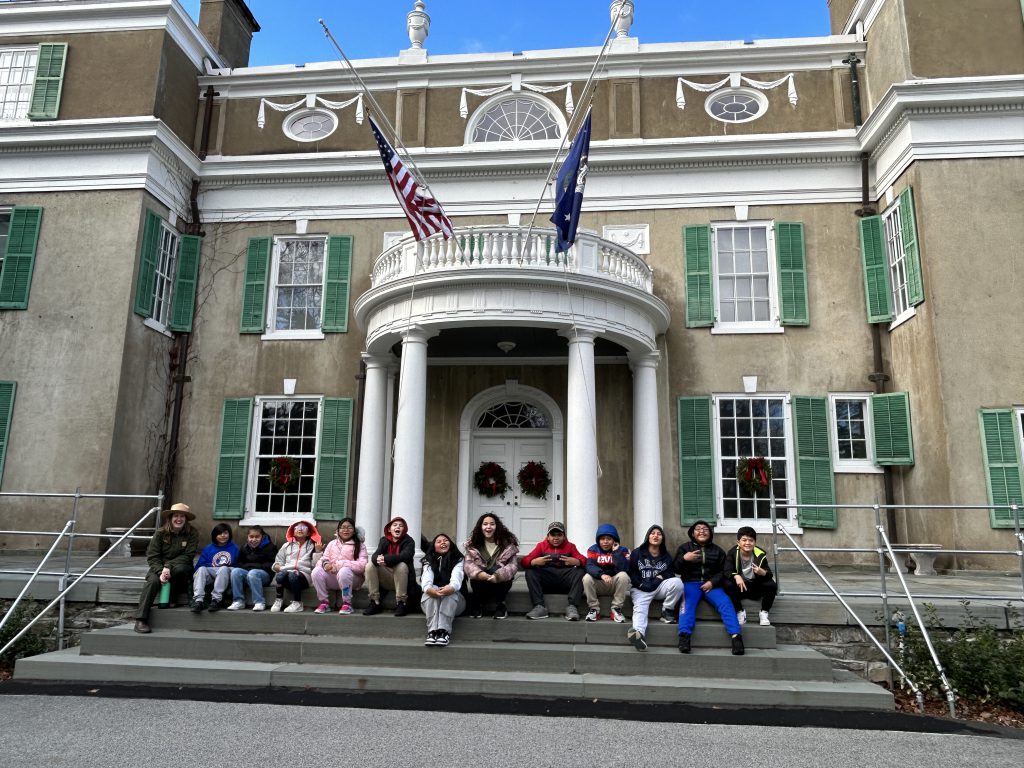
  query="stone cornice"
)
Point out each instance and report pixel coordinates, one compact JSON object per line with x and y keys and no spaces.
{"x":68,"y":17}
{"x":482,"y":70}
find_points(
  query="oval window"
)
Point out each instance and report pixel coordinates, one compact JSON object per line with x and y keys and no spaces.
{"x":736,"y":105}
{"x":310,"y":125}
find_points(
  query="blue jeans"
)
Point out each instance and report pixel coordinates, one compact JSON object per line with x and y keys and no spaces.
{"x":692,"y":594}
{"x":257,"y":579}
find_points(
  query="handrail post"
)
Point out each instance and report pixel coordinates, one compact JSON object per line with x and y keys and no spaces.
{"x":775,"y":538}
{"x":882,"y":570}
{"x":950,"y":696}
{"x":32,"y":578}
{"x":1015,"y":508}
{"x":67,"y":569}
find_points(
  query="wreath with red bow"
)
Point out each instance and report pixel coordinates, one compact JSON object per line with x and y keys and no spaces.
{"x":754,"y":475}
{"x":534,"y":479}
{"x":284,"y":473}
{"x":490,"y":480}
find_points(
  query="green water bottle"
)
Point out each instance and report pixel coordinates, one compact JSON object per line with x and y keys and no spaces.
{"x":164,"y":600}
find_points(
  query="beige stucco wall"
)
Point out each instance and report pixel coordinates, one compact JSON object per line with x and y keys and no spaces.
{"x":176,"y":99}
{"x":82,"y":362}
{"x":887,"y":58}
{"x":951,"y":38}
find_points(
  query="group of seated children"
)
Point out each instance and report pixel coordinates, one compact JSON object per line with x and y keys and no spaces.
{"x":451,"y":579}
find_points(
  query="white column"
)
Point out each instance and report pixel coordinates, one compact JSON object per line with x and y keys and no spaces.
{"x":647,"y":502}
{"x":581,"y":439}
{"x":410,"y":431}
{"x":373,"y":453}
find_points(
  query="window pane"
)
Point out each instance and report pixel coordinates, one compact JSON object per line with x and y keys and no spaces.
{"x":746,"y":417}
{"x":294,"y":424}
{"x":299,"y":284}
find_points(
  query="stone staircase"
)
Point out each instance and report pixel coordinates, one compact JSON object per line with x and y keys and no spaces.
{"x":513,"y":657}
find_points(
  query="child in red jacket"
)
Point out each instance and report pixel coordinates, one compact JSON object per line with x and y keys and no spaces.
{"x":554,"y":566}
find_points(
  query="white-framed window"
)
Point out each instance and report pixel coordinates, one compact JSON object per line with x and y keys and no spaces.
{"x":745,"y":283}
{"x":5,"y":226}
{"x":736,"y":105}
{"x":746,"y":426}
{"x":1018,"y":412}
{"x":310,"y":125}
{"x":892,"y":223}
{"x":283,"y":427}
{"x":163,"y":282}
{"x":514,"y":118}
{"x":295,"y":308}
{"x":849,"y":416}
{"x":17,"y":76}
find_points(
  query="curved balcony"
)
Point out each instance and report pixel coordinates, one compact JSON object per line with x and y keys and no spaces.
{"x":499,"y":276}
{"x":513,"y":248}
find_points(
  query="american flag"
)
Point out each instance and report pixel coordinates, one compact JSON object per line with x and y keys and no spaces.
{"x":425,"y":214}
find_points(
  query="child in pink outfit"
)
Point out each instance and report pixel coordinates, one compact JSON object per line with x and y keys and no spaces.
{"x":341,"y":567}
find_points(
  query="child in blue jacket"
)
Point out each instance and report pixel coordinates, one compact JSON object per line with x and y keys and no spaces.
{"x":214,"y":565}
{"x":606,"y":567}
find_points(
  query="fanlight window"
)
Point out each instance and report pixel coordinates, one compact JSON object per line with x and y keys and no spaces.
{"x":736,"y":105}
{"x":516,"y":119}
{"x":513,"y":415}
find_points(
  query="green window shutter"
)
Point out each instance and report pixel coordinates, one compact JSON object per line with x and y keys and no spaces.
{"x":147,"y":266}
{"x":229,"y":498}
{"x":49,"y":82}
{"x":336,"y":287}
{"x":875,"y":263}
{"x":789,"y":250}
{"x":696,"y":461}
{"x":894,"y":441}
{"x":1002,"y":464}
{"x":700,"y":310}
{"x":332,"y":463}
{"x":185,"y":283}
{"x":911,"y":251}
{"x":254,"y":299}
{"x":19,"y":257}
{"x":7,"y":390}
{"x":815,"y":483}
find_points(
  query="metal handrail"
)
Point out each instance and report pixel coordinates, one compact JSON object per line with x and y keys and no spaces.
{"x":10,"y":611}
{"x":69,"y":531}
{"x":950,"y":696}
{"x":777,"y":526}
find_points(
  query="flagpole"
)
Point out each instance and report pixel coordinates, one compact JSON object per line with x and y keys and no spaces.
{"x":568,"y":130}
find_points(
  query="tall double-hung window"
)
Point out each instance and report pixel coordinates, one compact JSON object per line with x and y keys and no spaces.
{"x":31,"y":80}
{"x":168,"y":270}
{"x":891,"y":262}
{"x":297,"y":287}
{"x":745,"y":277}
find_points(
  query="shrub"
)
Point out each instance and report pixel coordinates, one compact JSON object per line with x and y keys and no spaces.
{"x":31,"y":644}
{"x":980,"y":664}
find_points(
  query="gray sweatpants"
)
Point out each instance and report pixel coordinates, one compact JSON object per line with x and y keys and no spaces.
{"x":670,"y":590}
{"x":441,"y":611}
{"x":220,"y":576}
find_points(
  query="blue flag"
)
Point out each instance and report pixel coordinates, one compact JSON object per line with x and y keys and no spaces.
{"x":572,"y":178}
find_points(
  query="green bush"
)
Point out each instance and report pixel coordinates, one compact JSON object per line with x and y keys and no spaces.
{"x":980,"y":663}
{"x":31,"y":644}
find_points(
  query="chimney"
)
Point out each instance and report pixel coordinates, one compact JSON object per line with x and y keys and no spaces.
{"x":229,"y":26}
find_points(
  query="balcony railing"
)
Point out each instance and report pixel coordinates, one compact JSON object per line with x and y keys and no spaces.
{"x":507,"y":247}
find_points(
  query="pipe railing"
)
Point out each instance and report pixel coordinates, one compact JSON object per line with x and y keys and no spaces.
{"x":68,"y":532}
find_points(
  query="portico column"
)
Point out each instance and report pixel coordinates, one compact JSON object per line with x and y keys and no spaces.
{"x":647,"y":502}
{"x":581,"y":439}
{"x":373,"y":448}
{"x":410,"y":431}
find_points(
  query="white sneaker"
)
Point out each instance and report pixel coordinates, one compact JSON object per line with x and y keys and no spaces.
{"x":237,"y":605}
{"x":276,"y":607}
{"x":294,"y":607}
{"x":763,"y":616}
{"x":260,"y":606}
{"x":617,"y":616}
{"x":741,"y":616}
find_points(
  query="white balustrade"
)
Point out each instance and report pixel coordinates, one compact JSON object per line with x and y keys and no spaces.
{"x":505,"y":247}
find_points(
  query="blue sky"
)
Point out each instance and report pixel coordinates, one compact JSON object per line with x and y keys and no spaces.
{"x":291,"y":35}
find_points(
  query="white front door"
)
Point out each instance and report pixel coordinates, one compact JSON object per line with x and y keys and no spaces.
{"x":527,"y":517}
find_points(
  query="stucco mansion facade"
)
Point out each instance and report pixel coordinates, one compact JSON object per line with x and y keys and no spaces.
{"x":808,"y":250}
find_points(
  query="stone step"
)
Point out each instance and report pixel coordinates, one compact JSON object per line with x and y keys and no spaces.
{"x":513,"y":629}
{"x":785,"y":663}
{"x":842,"y":691}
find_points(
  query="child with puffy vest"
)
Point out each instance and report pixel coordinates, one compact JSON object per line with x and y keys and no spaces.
{"x":607,"y":563}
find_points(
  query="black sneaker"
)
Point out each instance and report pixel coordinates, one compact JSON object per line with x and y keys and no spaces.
{"x":638,"y":640}
{"x":684,"y":643}
{"x":401,"y":609}
{"x":500,"y":611}
{"x":737,"y":645}
{"x":442,"y":638}
{"x":196,"y":606}
{"x":215,"y":605}
{"x":372,"y":609}
{"x":431,"y":638}
{"x":669,"y":617}
{"x":477,"y":612}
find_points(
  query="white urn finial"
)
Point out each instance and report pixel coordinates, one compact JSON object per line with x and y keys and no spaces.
{"x":622,"y":16}
{"x":418,"y":24}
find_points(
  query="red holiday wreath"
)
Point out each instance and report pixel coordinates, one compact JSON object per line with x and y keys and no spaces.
{"x":754,"y":475}
{"x":284,"y":473}
{"x":534,"y":479}
{"x":490,"y":480}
